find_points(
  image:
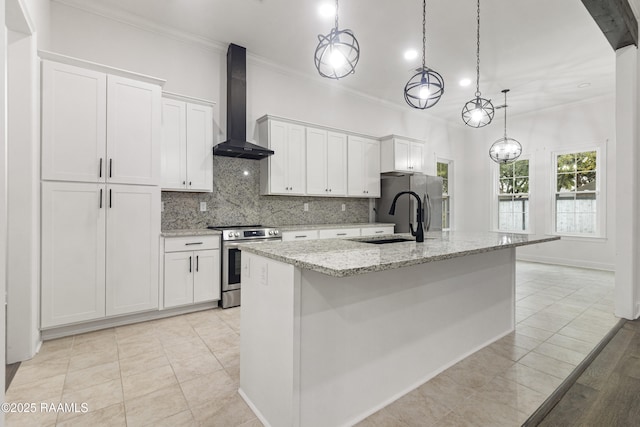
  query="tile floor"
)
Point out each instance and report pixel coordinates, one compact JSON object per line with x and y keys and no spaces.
{"x":184,"y":371}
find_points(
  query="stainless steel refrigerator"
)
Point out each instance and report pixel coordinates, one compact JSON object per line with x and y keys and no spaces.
{"x":429,"y":188}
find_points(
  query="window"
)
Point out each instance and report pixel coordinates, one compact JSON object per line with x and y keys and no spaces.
{"x":513,"y":196}
{"x":444,"y":168}
{"x":577,"y":180}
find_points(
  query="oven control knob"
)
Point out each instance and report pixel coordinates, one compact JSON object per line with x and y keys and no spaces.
{"x":231,"y":234}
{"x":276,"y":232}
{"x":237,"y":234}
{"x":270,"y":232}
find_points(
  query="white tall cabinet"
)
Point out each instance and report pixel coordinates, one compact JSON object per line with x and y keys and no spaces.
{"x":187,"y":144}
{"x":100,"y":191}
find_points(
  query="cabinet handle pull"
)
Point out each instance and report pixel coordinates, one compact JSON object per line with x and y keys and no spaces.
{"x":189,"y":183}
{"x":197,"y":262}
{"x":190,"y":264}
{"x":101,"y":198}
{"x":193,"y":243}
{"x":341,"y":234}
{"x":100,"y":169}
{"x":300,"y":237}
{"x":184,"y":182}
{"x":379,"y":231}
{"x":110,"y":166}
{"x":109,"y":198}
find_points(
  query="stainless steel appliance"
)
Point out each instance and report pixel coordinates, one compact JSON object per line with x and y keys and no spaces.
{"x":232,"y":237}
{"x":429,"y":188}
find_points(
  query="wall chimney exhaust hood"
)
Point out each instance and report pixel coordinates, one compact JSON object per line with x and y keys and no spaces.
{"x":236,"y":144}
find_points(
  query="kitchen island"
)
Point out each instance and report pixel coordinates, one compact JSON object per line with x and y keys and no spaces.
{"x":333,"y":330}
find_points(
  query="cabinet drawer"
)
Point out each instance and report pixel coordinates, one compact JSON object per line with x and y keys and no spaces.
{"x":372,"y":231}
{"x":339,"y":233}
{"x":191,"y":243}
{"x":289,"y":236}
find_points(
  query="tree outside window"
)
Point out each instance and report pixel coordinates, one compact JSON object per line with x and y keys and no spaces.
{"x":576,"y":193}
{"x":513,"y":196}
{"x":443,"y":172}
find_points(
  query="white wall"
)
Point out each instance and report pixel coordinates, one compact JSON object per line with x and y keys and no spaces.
{"x":588,"y":123}
{"x":3,"y":199}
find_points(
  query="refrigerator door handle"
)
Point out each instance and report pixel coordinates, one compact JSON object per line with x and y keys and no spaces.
{"x":427,"y":218}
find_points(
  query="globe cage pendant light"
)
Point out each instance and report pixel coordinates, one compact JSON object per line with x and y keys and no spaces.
{"x":425,"y":88}
{"x":479,"y":111}
{"x":337,"y":53}
{"x":505,"y":150}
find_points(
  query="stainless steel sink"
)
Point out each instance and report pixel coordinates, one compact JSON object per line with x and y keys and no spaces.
{"x":385,"y":241}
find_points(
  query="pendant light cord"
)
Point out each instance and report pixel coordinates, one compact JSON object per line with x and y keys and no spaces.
{"x":505,"y":113}
{"x":337,"y":15}
{"x":424,"y":32}
{"x":478,"y":55}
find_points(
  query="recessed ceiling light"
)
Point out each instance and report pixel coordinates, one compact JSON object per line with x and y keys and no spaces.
{"x":410,"y":54}
{"x":583,"y":85}
{"x":327,"y":10}
{"x":465,"y":82}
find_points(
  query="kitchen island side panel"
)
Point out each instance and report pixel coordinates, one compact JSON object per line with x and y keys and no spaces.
{"x":366,"y":340}
{"x":269,"y":342}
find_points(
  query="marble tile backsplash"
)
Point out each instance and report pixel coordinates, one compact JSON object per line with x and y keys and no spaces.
{"x":236,"y":199}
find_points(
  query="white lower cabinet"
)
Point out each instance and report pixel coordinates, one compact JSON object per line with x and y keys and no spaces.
{"x":339,"y":233}
{"x":191,"y":276}
{"x":372,"y":231}
{"x":99,"y":251}
{"x":288,"y":236}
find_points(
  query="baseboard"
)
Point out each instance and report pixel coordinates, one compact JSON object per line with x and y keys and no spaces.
{"x":255,"y":410}
{"x":567,"y":262}
{"x":80,"y":328}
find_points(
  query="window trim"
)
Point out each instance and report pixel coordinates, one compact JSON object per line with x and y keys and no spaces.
{"x":495,"y":196}
{"x":450,"y":177}
{"x":600,"y":192}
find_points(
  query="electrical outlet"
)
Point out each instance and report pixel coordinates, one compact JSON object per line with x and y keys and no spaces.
{"x":203,"y":206}
{"x":161,"y":206}
{"x":306,"y":207}
{"x":344,"y":207}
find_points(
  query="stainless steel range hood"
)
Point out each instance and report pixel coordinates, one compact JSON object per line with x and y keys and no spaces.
{"x":236,"y":144}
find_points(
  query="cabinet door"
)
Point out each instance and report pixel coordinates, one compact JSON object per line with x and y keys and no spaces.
{"x":199,"y":147}
{"x":206,"y":280}
{"x":73,"y":258}
{"x":371,"y":156}
{"x":402,"y":154}
{"x":317,"y":162}
{"x":133,"y":131}
{"x":133,"y":230}
{"x":337,"y":163}
{"x":278,"y":161}
{"x":73,"y":123}
{"x":178,"y":278}
{"x":173,"y":153}
{"x":417,"y":157}
{"x":355,"y":171}
{"x":296,"y":159}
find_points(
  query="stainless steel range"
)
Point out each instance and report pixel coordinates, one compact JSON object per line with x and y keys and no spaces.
{"x":232,"y":237}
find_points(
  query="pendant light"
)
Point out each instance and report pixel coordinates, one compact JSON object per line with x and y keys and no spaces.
{"x":479,"y":111}
{"x":337,"y":53}
{"x":505,"y":150}
{"x":426,"y":87}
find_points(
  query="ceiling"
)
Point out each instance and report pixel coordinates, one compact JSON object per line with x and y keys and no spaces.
{"x":542,"y":50}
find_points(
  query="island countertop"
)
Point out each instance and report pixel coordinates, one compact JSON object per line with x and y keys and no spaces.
{"x":350,"y":257}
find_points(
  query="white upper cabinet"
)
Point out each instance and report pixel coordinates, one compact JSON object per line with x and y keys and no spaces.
{"x":326,"y":163}
{"x":73,"y":123}
{"x":187,"y":146}
{"x":399,"y":154}
{"x":133,"y":131}
{"x":363,"y":167}
{"x":284,"y":172}
{"x":98,"y":127}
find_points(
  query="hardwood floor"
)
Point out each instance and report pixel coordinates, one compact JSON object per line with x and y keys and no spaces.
{"x":606,"y":394}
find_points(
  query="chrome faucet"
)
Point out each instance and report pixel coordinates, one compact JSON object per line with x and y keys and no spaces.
{"x":419,"y":232}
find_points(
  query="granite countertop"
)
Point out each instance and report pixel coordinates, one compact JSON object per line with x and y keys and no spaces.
{"x":190,"y":232}
{"x":332,"y":226}
{"x":350,"y":257}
